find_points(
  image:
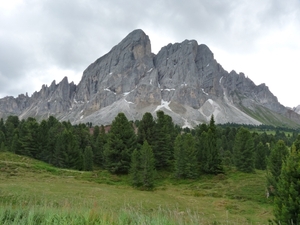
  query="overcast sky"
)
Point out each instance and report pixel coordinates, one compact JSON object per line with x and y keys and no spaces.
{"x":45,"y":40}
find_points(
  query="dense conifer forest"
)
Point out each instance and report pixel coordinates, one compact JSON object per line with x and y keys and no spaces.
{"x":143,"y":148}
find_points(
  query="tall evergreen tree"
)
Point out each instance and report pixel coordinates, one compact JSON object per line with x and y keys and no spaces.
{"x":28,"y":138}
{"x":147,"y":166}
{"x":135,"y":169}
{"x":287,"y":197}
{"x":297,"y":143}
{"x":2,"y":141}
{"x":277,"y":156}
{"x":88,"y":159}
{"x":261,"y":156}
{"x":186,"y":164}
{"x":42,"y":137}
{"x":15,"y":145}
{"x":99,"y":147}
{"x":162,"y":145}
{"x":244,"y":151}
{"x":67,"y":153}
{"x":180,"y":158}
{"x":11,"y":128}
{"x":120,"y":145}
{"x":146,"y":130}
{"x":211,"y":160}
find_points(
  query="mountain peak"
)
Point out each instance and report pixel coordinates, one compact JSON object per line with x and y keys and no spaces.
{"x":182,"y":79}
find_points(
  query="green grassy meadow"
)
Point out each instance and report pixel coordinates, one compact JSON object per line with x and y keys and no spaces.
{"x":33,"y":192}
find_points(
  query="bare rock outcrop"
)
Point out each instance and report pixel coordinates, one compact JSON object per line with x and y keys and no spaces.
{"x":183,"y":79}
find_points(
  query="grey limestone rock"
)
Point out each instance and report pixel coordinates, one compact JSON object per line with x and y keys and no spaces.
{"x":183,"y":79}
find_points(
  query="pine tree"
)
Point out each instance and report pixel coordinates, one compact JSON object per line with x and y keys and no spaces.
{"x":277,"y":156}
{"x":146,"y":130}
{"x":135,"y":169}
{"x":162,"y":147}
{"x":287,"y":197}
{"x":120,"y":145}
{"x":297,"y":142}
{"x":15,"y":145}
{"x":42,"y":140}
{"x":99,"y":147}
{"x":211,"y":160}
{"x":2,"y":141}
{"x":28,"y":138}
{"x":186,"y":164}
{"x":147,"y":166}
{"x":88,"y":159}
{"x":244,"y":151}
{"x":180,"y":158}
{"x":261,"y":156}
{"x":191,"y":167}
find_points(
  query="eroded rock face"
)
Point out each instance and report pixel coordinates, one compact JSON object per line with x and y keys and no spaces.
{"x":183,"y":79}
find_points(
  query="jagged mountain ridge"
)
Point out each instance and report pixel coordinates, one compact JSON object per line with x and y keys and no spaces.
{"x":183,"y":79}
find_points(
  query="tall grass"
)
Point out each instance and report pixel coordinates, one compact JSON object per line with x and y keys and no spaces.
{"x":32,"y":192}
{"x":128,"y":215}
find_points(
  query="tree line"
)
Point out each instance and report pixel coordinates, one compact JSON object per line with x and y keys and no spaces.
{"x":141,"y":148}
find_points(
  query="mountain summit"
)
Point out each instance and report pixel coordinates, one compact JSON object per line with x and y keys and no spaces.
{"x":183,"y":79}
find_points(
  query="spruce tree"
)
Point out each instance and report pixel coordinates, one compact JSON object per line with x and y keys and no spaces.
{"x":146,"y":130}
{"x":99,"y":147}
{"x":186,"y":164}
{"x":287,"y":197}
{"x":244,"y":151}
{"x":163,"y":145}
{"x":261,"y":156}
{"x":28,"y":138}
{"x":15,"y":145}
{"x":2,"y":141}
{"x":211,"y":160}
{"x":147,"y":166}
{"x":180,"y":158}
{"x":277,"y":156}
{"x":120,"y":145}
{"x":191,"y":163}
{"x":135,"y":169}
{"x":88,"y":159}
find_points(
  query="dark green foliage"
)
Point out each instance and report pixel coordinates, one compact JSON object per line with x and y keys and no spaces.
{"x":297,"y":143}
{"x":88,"y":159}
{"x":163,"y":141}
{"x":99,"y":146}
{"x":28,"y":138}
{"x":277,"y":156}
{"x":147,"y":166}
{"x":11,"y":127}
{"x":15,"y":145}
{"x":67,"y":153}
{"x":120,"y":145}
{"x":2,"y":141}
{"x":287,"y":197}
{"x":186,"y":164}
{"x":208,"y":151}
{"x":142,"y":167}
{"x":180,"y":158}
{"x":261,"y":156}
{"x":54,"y":130}
{"x":211,"y":161}
{"x":135,"y":169}
{"x":244,"y":151}
{"x":2,"y":147}
{"x":146,"y":130}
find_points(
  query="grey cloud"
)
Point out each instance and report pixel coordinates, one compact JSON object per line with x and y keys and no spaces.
{"x":72,"y":34}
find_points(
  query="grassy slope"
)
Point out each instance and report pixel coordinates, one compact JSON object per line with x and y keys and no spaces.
{"x":269,"y":117}
{"x":235,"y":198}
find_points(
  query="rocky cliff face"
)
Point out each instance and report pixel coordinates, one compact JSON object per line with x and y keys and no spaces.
{"x":183,"y":79}
{"x":297,"y":109}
